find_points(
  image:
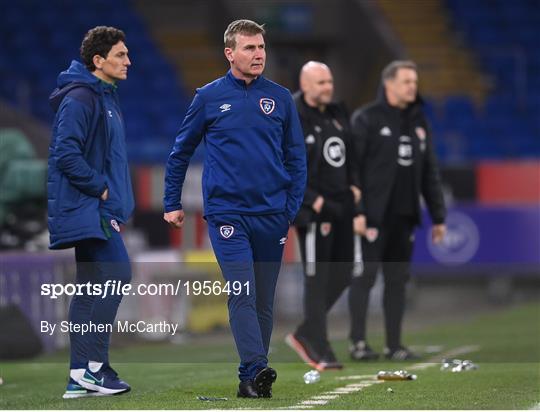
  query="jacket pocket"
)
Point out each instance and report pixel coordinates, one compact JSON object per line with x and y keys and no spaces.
{"x":72,"y":201}
{"x":68,"y":197}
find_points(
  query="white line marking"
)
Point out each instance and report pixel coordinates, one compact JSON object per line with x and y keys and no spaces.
{"x":354,"y":377}
{"x":359,"y":385}
{"x":326,"y":397}
{"x":315,"y":402}
{"x":428,"y":349}
{"x":347,"y":390}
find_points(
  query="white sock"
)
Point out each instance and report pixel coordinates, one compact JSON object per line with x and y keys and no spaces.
{"x":94,"y":366}
{"x":76,"y":374}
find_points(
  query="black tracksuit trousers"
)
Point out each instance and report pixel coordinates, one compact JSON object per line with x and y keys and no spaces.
{"x":327,"y":255}
{"x":392,"y":249}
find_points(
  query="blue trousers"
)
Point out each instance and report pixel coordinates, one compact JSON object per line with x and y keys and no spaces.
{"x":97,"y":261}
{"x":249,"y":250}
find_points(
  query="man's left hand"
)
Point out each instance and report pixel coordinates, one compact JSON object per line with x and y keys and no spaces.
{"x":174,"y":218}
{"x":438,"y":232}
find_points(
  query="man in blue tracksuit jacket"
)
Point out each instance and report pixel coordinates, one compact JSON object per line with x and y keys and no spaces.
{"x":89,"y":195}
{"x":253,"y":185}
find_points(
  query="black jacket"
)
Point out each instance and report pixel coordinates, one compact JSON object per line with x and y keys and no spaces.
{"x":335,"y":207}
{"x":376,"y":128}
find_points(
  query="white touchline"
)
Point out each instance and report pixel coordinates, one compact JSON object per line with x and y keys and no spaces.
{"x":365,"y":381}
{"x":315,"y":402}
{"x":359,"y":385}
{"x":347,"y":390}
{"x":353,"y":377}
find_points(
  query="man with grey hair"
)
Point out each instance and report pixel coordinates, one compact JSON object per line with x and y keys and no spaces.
{"x":393,"y":143}
{"x":253,"y":184}
{"x":325,"y":221}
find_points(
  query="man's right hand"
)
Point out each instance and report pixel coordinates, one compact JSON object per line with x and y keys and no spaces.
{"x":359,"y":225}
{"x":174,"y":218}
{"x":105,"y":194}
{"x":318,"y":204}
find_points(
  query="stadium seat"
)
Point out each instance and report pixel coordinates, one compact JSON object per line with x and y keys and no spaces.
{"x":509,"y":56}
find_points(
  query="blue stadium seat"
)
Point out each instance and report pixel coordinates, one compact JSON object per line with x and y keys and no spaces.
{"x":505,"y":36}
{"x":431,"y":111}
{"x":458,"y":107}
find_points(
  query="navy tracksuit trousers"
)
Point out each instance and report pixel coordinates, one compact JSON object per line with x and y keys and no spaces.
{"x":249,"y":250}
{"x":97,"y":261}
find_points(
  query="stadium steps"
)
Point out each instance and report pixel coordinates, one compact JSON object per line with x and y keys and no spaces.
{"x":445,"y":67}
{"x":194,"y":54}
{"x":180,"y":34}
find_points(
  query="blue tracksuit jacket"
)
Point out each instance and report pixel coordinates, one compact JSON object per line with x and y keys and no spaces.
{"x":255,"y":160}
{"x":87,"y":154}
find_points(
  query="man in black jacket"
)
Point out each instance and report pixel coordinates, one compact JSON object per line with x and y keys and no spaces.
{"x":325,"y":221}
{"x":393,"y":145}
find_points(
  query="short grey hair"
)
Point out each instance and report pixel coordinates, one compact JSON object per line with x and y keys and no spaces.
{"x":390,"y":71}
{"x":244,"y":26}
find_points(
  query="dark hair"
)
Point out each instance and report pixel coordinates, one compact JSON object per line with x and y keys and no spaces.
{"x":99,"y":40}
{"x":246,"y":27}
{"x":390,"y":71}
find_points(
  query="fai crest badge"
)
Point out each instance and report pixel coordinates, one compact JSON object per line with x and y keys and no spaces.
{"x":115,"y":225}
{"x":421,"y":133}
{"x":372,"y":234}
{"x":267,"y":105}
{"x":226,"y":231}
{"x":326,"y":228}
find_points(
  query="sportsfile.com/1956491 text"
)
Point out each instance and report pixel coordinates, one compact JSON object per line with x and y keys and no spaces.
{"x":119,"y":288}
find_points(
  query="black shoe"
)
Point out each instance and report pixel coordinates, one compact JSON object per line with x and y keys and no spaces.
{"x":263,"y":382}
{"x":246,"y":389}
{"x":361,"y":351}
{"x":304,"y":349}
{"x":400,"y":353}
{"x":329,"y":361}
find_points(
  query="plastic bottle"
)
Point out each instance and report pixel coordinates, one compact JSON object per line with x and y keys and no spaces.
{"x":312,"y":376}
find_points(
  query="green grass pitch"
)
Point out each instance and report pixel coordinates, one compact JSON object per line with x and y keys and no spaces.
{"x":172,"y":376}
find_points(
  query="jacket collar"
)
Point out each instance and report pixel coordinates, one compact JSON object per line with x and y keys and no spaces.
{"x":77,"y":75}
{"x":241,"y":84}
{"x":332,"y":108}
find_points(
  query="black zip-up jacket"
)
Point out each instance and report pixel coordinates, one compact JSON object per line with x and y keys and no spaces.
{"x":376,"y":128}
{"x":336,"y":205}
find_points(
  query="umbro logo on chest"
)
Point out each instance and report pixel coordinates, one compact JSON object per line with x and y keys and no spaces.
{"x":266,"y":104}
